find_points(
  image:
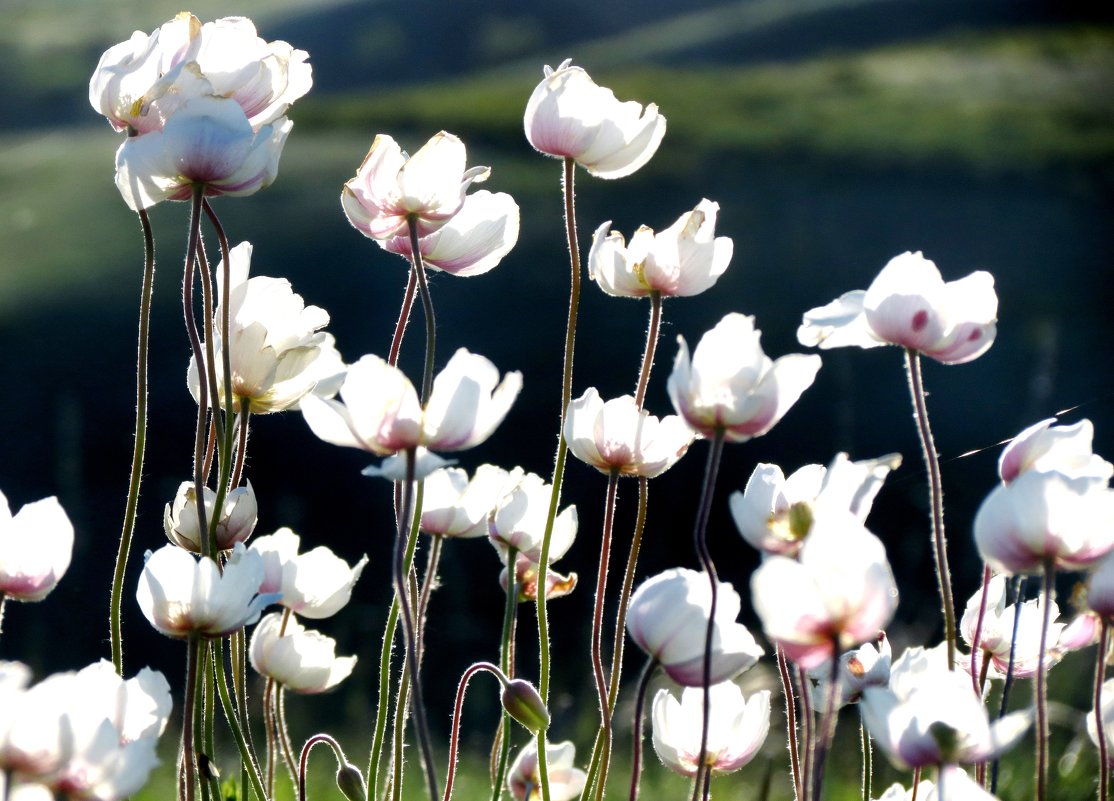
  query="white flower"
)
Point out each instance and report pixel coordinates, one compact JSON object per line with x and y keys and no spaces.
{"x":454,"y":506}
{"x":683,"y":260}
{"x":316,"y":584}
{"x":908,"y":304}
{"x":775,"y":513}
{"x":730,"y":385}
{"x":840,"y":591}
{"x":181,"y":595}
{"x":1045,"y":447}
{"x":617,"y":435}
{"x":391,"y":188}
{"x":565,"y":781}
{"x":520,"y":517}
{"x":474,"y":241}
{"x":299,"y":659}
{"x":35,"y":548}
{"x":239,"y":514}
{"x":866,"y":666}
{"x":668,"y":619}
{"x":737,"y":727}
{"x":997,"y":633}
{"x":569,"y":116}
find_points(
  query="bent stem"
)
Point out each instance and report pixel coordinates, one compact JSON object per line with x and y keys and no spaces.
{"x":652,"y":334}
{"x":145,"y":294}
{"x":978,"y":677}
{"x":936,"y":498}
{"x":199,"y":359}
{"x":1100,"y":728}
{"x":427,"y":309}
{"x":705,"y":556}
{"x":790,"y":720}
{"x":403,"y":318}
{"x":1041,"y":688}
{"x":303,"y":760}
{"x":639,"y":703}
{"x":458,"y":706}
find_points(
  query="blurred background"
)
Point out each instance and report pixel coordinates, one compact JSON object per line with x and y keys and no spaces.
{"x":834,"y":134}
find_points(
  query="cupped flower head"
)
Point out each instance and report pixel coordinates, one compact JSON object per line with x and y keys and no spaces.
{"x":391,"y":188}
{"x":207,"y":144}
{"x":238,"y":517}
{"x":139,"y":83}
{"x":730,"y":385}
{"x":1001,"y":622}
{"x":381,"y":412}
{"x":181,"y":595}
{"x":85,"y":735}
{"x":565,"y":781}
{"x":300,"y":659}
{"x":35,"y":548}
{"x":908,"y":304}
{"x":866,"y":666}
{"x":316,"y":584}
{"x":683,"y":260}
{"x":775,"y":513}
{"x":619,"y":436}
{"x":838,"y":593}
{"x":569,"y":116}
{"x":274,"y":341}
{"x":474,"y":241}
{"x":930,"y":715}
{"x":455,"y":506}
{"x":520,"y":518}
{"x":737,"y":727}
{"x":1044,"y":446}
{"x":668,"y":619}
{"x":1045,"y":517}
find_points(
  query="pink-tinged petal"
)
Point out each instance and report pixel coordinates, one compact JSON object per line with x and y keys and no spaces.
{"x":1044,"y":446}
{"x":841,"y":323}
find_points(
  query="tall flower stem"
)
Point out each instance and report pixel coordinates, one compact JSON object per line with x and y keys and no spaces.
{"x":1047,"y":598}
{"x":639,"y":703}
{"x":868,"y":767}
{"x":705,"y":556}
{"x":303,"y":760}
{"x":246,"y":754}
{"x":408,"y":630}
{"x":977,"y":639}
{"x":208,"y":292}
{"x":199,"y":359}
{"x":936,"y":498}
{"x":506,"y":664}
{"x":136,"y":479}
{"x":433,"y":560}
{"x":1007,"y":685}
{"x":807,"y":734}
{"x":1100,"y":726}
{"x":827,"y":725}
{"x":458,"y":708}
{"x":652,"y":334}
{"x":568,"y":188}
{"x":790,"y":720}
{"x":403,"y":318}
{"x":189,"y":756}
{"x":597,"y":631}
{"x":427,"y":309}
{"x":200,"y":720}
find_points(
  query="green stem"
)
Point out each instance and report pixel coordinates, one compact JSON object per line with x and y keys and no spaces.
{"x":506,"y":664}
{"x":936,"y":498}
{"x":868,"y":759}
{"x":284,"y":735}
{"x":790,"y":721}
{"x":246,"y":755}
{"x":807,"y":733}
{"x":208,"y":718}
{"x":976,"y":642}
{"x":208,"y":283}
{"x":1048,"y":598}
{"x":639,"y":703}
{"x":189,"y":714}
{"x":1100,"y":726}
{"x":652,"y":334}
{"x":199,"y":358}
{"x":827,"y":724}
{"x":700,"y":543}
{"x":136,"y":479}
{"x":597,"y":631}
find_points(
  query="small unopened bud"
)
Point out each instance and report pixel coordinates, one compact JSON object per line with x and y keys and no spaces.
{"x":524,"y":704}
{"x":351,"y":782}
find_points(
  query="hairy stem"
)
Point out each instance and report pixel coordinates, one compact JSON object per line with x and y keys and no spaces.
{"x":652,"y":334}
{"x":790,"y":720}
{"x":199,"y":359}
{"x":639,"y":703}
{"x":1048,"y":594}
{"x":506,"y":664}
{"x":1007,"y":685}
{"x":1100,"y":726}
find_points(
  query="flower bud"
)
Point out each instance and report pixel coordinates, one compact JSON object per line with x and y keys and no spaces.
{"x":239,"y":515}
{"x":351,"y":782}
{"x":524,"y":704}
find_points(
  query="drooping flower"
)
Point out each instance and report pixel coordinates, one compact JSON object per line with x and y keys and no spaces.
{"x":565,"y":781}
{"x":1044,"y":447}
{"x":85,"y":735}
{"x":139,"y":83}
{"x":389,"y":188}
{"x":35,"y":548}
{"x":775,"y":513}
{"x":569,"y":116}
{"x":617,"y":435}
{"x":908,"y":304}
{"x":381,"y":412}
{"x":730,"y":385}
{"x":300,"y":659}
{"x":668,"y":619}
{"x":997,"y":635}
{"x":930,"y":715}
{"x":474,"y":241}
{"x":838,"y":593}
{"x":683,"y":260}
{"x":737,"y":727}
{"x":207,"y":142}
{"x":182,"y":595}
{"x":274,"y":341}
{"x":239,"y":514}
{"x":520,"y":518}
{"x":454,"y":506}
{"x":315,"y":584}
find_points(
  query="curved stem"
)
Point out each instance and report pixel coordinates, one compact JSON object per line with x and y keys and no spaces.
{"x":136,"y":479}
{"x":652,"y":335}
{"x":403,"y":318}
{"x":427,"y":309}
{"x":208,"y":289}
{"x":429,"y":580}
{"x":1100,"y":726}
{"x":702,"y":513}
{"x":303,"y":760}
{"x":827,"y":725}
{"x":936,"y":498}
{"x":976,"y":678}
{"x":408,"y":629}
{"x":1047,"y":597}
{"x":790,"y":720}
{"x":284,"y":734}
{"x":1007,"y":685}
{"x":454,"y":736}
{"x":199,"y":358}
{"x":226,"y":276}
{"x":639,"y":703}
{"x":241,"y":447}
